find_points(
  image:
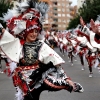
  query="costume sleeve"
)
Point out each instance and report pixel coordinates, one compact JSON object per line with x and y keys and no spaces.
{"x":47,"y":54}
{"x":10,"y":46}
{"x":92,"y":40}
{"x":92,"y":37}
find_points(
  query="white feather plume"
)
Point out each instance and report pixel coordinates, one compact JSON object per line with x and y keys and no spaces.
{"x":97,"y":21}
{"x":98,"y":18}
{"x":42,"y":7}
{"x":15,"y":11}
{"x":10,"y":14}
{"x":13,"y":65}
{"x":19,"y":94}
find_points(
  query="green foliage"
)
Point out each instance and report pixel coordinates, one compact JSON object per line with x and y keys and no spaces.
{"x":4,"y":5}
{"x":73,"y":23}
{"x":89,"y":10}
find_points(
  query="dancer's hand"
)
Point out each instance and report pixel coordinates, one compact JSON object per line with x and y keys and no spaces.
{"x":82,"y":21}
{"x":95,"y":28}
{"x":78,"y":87}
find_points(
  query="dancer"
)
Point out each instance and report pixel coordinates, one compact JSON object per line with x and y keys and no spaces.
{"x":70,"y":50}
{"x":35,"y":66}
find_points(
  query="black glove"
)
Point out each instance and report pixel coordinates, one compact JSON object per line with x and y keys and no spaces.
{"x":42,"y":68}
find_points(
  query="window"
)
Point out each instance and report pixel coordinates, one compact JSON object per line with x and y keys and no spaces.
{"x":59,"y":25}
{"x":67,"y":5}
{"x":55,"y":14}
{"x":67,"y":9}
{"x":54,"y":25}
{"x":59,"y":15}
{"x":59,"y":4}
{"x":64,"y":26}
{"x":59,"y":9}
{"x":55,"y":20}
{"x":55,"y":8}
{"x":64,"y":21}
{"x":54,"y":3}
{"x":63,"y":4}
{"x":68,"y":15}
{"x":63,"y":15}
{"x":59,"y":20}
{"x":63,"y":10}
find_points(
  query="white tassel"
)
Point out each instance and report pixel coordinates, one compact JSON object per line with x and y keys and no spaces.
{"x":19,"y":94}
{"x":13,"y":65}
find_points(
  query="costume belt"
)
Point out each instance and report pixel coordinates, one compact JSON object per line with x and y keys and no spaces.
{"x":23,"y":68}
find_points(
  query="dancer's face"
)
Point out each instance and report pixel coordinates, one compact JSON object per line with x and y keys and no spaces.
{"x":32,"y":36}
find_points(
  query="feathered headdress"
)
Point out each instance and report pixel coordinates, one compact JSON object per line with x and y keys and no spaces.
{"x":97,"y":21}
{"x":25,"y":16}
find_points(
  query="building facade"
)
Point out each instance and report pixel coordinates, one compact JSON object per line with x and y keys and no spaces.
{"x":59,"y":14}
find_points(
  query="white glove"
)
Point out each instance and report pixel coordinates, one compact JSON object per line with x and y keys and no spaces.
{"x":79,"y":88}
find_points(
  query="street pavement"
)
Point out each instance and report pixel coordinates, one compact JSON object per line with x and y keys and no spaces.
{"x":91,"y":85}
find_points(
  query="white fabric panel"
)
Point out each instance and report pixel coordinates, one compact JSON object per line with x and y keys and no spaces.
{"x":10,"y":46}
{"x":6,"y":38}
{"x":47,"y":54}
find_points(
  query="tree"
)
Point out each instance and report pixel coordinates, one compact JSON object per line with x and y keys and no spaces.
{"x":4,"y":5}
{"x":73,"y":23}
{"x":89,"y":10}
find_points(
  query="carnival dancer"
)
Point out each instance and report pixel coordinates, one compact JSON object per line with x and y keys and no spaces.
{"x":91,"y":36}
{"x":60,"y":44}
{"x":70,"y":50}
{"x":64,"y":44}
{"x":33,"y":61}
{"x":83,"y":50}
{"x":51,"y":40}
{"x":55,"y":39}
{"x":91,"y":58}
{"x":82,"y":45}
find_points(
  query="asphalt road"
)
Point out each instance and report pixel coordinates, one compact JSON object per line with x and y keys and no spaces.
{"x":91,"y":85}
